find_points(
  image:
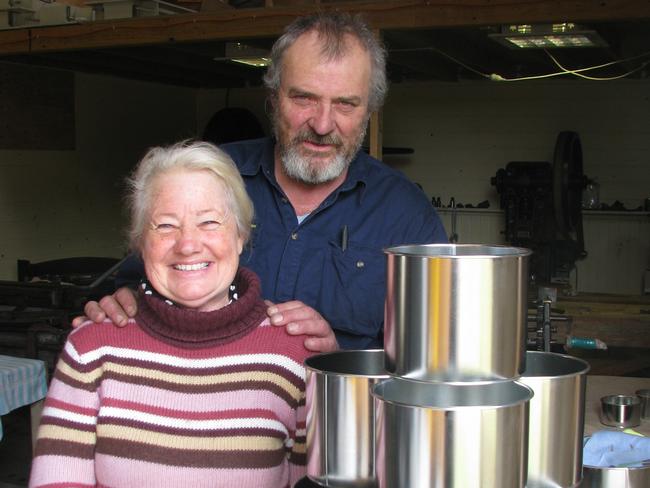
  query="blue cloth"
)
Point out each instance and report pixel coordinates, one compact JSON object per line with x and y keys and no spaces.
{"x":607,"y":448}
{"x":306,"y":261}
{"x":22,"y":381}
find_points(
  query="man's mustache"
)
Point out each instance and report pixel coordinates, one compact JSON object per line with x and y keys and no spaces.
{"x":311,"y":136}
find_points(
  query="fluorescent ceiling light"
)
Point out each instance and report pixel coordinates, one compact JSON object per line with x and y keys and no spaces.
{"x":547,"y":36}
{"x":245,"y":54}
{"x":257,"y":62}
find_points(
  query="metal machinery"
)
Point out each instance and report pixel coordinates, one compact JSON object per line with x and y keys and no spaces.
{"x":36,"y":310}
{"x":542,"y":203}
{"x":543,"y":209}
{"x":540,"y":323}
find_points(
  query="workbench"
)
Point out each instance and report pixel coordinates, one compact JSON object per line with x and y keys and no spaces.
{"x":618,"y":321}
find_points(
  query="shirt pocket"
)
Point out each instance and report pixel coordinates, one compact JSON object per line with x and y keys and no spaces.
{"x":360,"y":288}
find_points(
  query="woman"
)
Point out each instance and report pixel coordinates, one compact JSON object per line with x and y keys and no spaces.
{"x":199,"y":390}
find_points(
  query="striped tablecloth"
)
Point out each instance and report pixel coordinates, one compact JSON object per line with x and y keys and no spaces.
{"x":22,"y":382}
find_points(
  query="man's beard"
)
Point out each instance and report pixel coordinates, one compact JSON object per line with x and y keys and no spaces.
{"x":301,"y":167}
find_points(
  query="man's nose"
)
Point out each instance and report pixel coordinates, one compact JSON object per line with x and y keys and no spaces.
{"x":322,"y":120}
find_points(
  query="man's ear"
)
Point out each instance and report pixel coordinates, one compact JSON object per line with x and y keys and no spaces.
{"x":270,"y":104}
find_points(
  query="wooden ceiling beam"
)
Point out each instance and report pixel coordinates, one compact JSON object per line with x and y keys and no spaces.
{"x":269,"y":22}
{"x":14,"y":41}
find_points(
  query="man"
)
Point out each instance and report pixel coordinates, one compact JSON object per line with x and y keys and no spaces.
{"x":324,"y":209}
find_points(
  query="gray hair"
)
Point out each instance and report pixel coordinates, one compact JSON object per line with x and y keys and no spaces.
{"x":332,"y":27}
{"x":192,"y":156}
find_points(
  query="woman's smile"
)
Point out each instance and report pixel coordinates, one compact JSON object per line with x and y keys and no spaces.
{"x":191,"y":267}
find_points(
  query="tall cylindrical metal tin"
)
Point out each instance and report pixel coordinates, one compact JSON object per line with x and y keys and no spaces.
{"x":445,"y":435}
{"x":456,"y":312}
{"x":557,"y":413}
{"x":341,"y":417}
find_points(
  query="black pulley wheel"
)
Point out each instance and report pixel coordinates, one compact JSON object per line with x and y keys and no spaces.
{"x":567,"y":179}
{"x":568,"y":183}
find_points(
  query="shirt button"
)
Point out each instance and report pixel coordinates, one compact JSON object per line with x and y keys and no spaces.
{"x":284,"y":200}
{"x":294,"y":236}
{"x":360,"y":264}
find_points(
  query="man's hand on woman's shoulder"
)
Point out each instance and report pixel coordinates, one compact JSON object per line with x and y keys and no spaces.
{"x":301,"y":319}
{"x":118,"y":307}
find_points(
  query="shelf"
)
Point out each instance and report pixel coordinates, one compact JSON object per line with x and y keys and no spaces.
{"x":448,"y":210}
{"x":629,"y":213}
{"x":585,"y":213}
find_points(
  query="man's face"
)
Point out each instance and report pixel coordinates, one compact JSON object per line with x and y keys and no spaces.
{"x":321,"y":110}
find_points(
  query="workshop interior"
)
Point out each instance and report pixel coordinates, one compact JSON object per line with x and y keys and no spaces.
{"x":532,"y":146}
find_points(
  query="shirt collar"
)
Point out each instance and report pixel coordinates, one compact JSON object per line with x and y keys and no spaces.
{"x":358,"y":174}
{"x":263,"y":159}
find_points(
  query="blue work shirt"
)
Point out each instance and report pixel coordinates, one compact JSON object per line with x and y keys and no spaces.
{"x":340,"y":273}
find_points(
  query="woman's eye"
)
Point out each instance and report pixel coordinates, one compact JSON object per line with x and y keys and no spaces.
{"x":210,"y":224}
{"x":164,"y":228}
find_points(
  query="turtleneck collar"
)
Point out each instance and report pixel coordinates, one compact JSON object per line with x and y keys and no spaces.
{"x":193,"y":329}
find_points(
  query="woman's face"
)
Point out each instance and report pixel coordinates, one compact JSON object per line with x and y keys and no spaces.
{"x":191,"y":247}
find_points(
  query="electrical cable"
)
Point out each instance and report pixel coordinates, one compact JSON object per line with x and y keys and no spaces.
{"x":578,"y":72}
{"x":564,"y":71}
{"x":431,"y":48}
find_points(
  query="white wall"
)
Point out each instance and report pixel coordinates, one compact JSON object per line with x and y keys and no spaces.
{"x":56,"y":204}
{"x":618,"y":246}
{"x":463,"y":132}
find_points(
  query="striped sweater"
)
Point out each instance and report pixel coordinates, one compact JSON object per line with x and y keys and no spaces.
{"x":167,"y":402}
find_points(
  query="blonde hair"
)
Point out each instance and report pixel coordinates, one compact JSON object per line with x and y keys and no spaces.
{"x":193,"y":156}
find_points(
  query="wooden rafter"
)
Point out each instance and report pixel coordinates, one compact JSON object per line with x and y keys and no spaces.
{"x":268,"y":22}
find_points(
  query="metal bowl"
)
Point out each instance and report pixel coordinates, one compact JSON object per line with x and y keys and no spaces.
{"x":620,"y":411}
{"x":644,"y":397}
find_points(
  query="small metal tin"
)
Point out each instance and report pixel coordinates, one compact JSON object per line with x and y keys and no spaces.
{"x":620,"y":411}
{"x":644,"y":397}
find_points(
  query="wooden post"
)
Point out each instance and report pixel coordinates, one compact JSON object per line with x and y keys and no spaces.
{"x":375,"y":128}
{"x":375,"y":135}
